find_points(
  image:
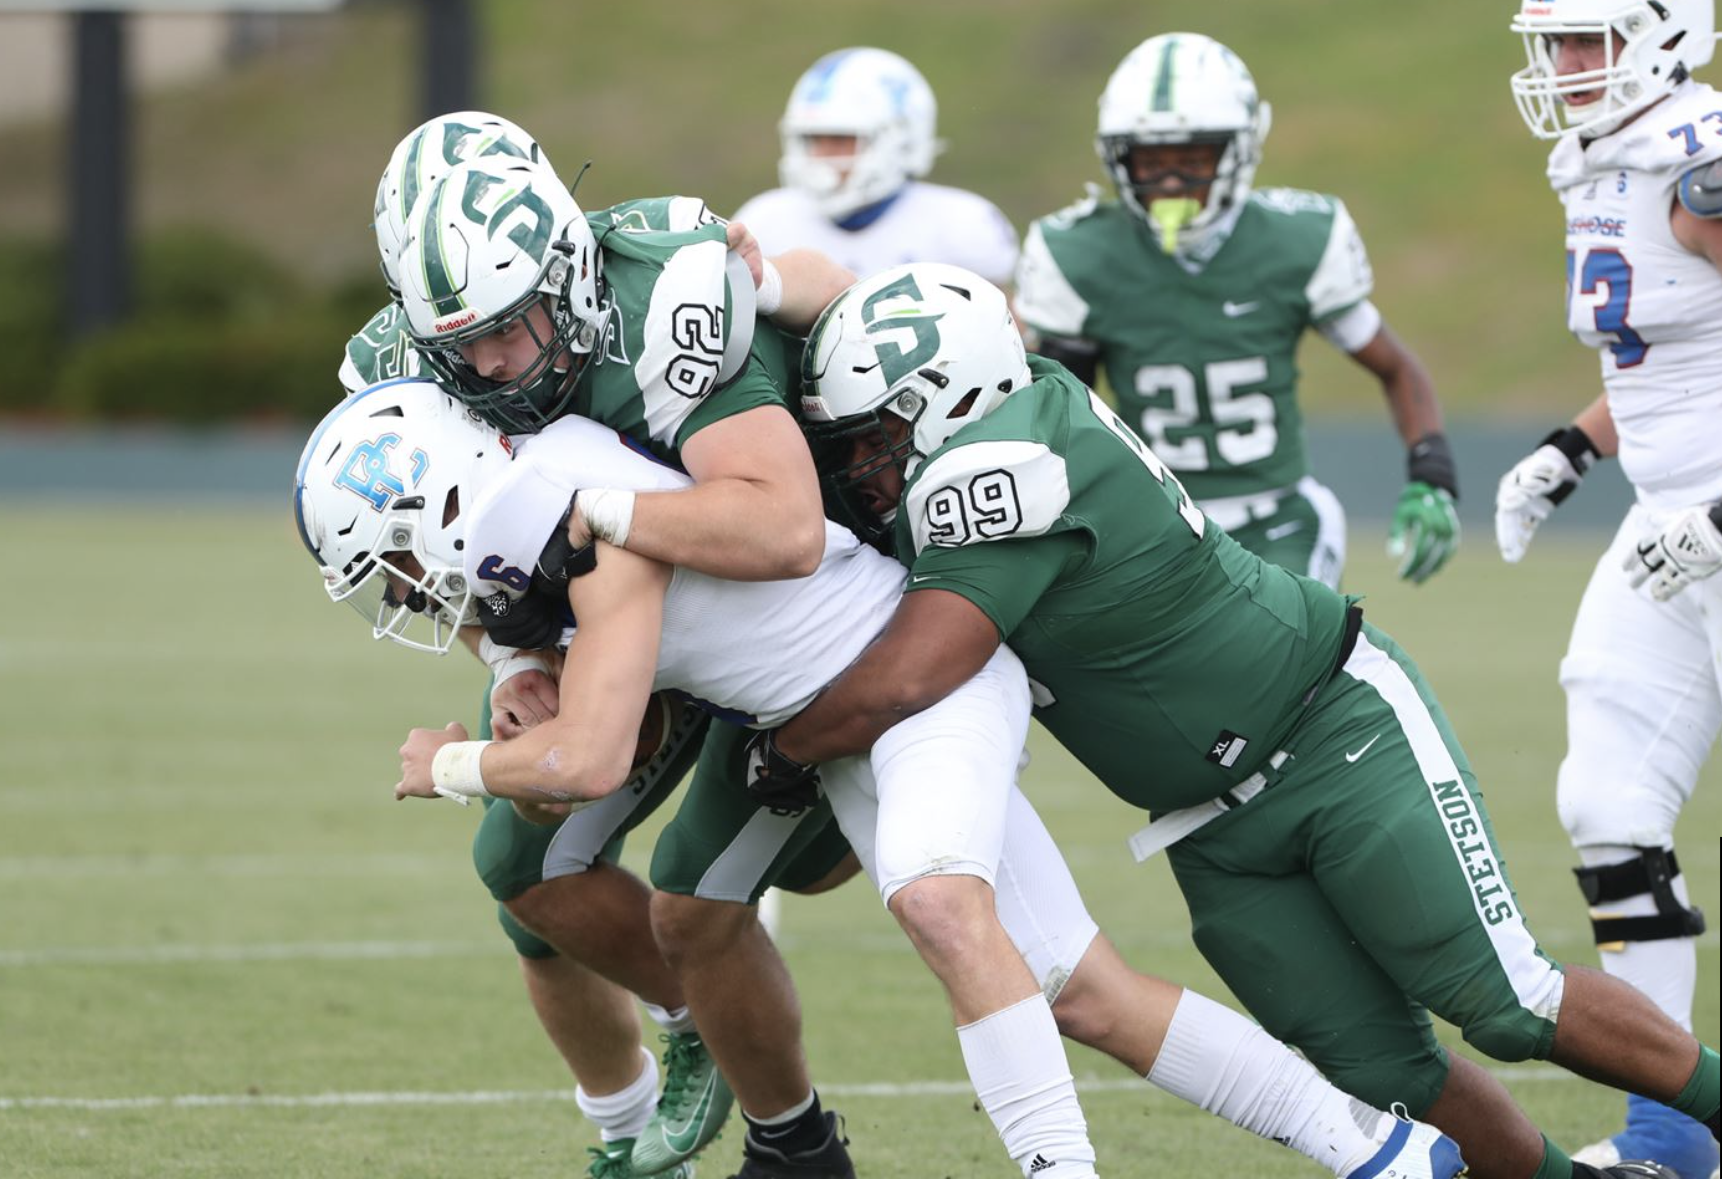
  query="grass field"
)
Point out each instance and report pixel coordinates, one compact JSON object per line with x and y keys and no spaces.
{"x":225,"y":950}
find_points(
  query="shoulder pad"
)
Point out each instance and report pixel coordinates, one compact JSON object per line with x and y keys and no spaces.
{"x":988,"y":490}
{"x":1075,"y":211}
{"x":1293,"y":201}
{"x":686,"y":328}
{"x":1701,"y":190}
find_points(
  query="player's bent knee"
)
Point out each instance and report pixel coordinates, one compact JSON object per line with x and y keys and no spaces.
{"x":949,"y":912}
{"x":688,"y":927}
{"x":527,"y":944}
{"x":1510,"y":1035}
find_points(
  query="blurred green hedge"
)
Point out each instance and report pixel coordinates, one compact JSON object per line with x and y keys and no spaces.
{"x":218,"y":332}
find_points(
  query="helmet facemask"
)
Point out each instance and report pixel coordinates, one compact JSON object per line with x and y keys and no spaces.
{"x":498,"y":247}
{"x":892,"y":428}
{"x":380,"y":498}
{"x":1179,"y":89}
{"x":1649,"y":48}
{"x":879,"y":99}
{"x":404,"y":593}
{"x":543,"y":389}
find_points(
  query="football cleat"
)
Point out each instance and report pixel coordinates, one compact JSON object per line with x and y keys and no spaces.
{"x":830,"y":1158}
{"x":694,"y":1105}
{"x":612,"y":1161}
{"x":1655,"y":1132}
{"x":1414,"y":1150}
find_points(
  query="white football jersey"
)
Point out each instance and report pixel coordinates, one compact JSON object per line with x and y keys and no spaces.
{"x":926,"y":223}
{"x":757,"y":652}
{"x":1652,"y":308}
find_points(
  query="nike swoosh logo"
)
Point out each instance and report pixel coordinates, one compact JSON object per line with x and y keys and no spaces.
{"x":1365,"y":750}
{"x":682,"y":1137}
{"x":918,"y":578}
{"x":1283,"y":530}
{"x":1234,"y":310}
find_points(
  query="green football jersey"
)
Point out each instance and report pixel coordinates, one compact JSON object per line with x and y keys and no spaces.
{"x":655,"y":372}
{"x":1203,"y":361}
{"x":654,"y":376}
{"x":1168,"y":659}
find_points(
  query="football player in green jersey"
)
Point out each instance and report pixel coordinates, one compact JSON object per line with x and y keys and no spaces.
{"x":1323,"y":823}
{"x":526,"y":309}
{"x":1192,"y":292}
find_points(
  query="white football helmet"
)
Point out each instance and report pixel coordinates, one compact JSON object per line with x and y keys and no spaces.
{"x":880,"y":99}
{"x":931,"y":343}
{"x":380,"y":497}
{"x":485,"y":244}
{"x":1183,"y":88}
{"x":1660,"y":43}
{"x":424,"y":156}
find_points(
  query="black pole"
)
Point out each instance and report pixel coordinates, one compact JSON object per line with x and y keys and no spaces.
{"x":450,"y":56}
{"x":98,"y":234}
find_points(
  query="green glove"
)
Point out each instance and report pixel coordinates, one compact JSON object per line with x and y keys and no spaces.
{"x":1425,"y":531}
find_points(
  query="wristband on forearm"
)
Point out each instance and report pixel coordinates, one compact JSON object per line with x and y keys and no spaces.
{"x":1576,"y":445}
{"x":608,"y":513}
{"x":1430,"y":461}
{"x":1580,"y":451}
{"x":455,"y":772}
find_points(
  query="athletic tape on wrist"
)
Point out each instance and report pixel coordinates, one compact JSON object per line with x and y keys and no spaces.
{"x":455,"y":770}
{"x":514,"y":665}
{"x":769,"y":301}
{"x":608,"y":513}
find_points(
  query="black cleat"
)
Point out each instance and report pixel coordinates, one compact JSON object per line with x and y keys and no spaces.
{"x":829,"y":1159}
{"x":1639,"y":1168}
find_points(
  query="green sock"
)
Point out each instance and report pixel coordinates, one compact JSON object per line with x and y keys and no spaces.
{"x":1703,"y":1092}
{"x":1556,"y":1165}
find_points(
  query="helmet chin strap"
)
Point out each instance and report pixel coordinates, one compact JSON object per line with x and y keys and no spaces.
{"x":1171,"y":214}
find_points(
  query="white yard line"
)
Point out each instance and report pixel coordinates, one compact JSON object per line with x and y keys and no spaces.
{"x":1510,"y":1073}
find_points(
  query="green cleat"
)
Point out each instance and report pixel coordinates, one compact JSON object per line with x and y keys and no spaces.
{"x":695,"y":1103}
{"x":611,"y":1161}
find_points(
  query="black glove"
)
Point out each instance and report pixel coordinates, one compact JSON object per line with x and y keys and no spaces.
{"x":779,"y":784}
{"x":536,"y":618}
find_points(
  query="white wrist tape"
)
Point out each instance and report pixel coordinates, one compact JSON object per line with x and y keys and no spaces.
{"x":608,"y":512}
{"x":455,"y":771}
{"x":769,"y":301}
{"x":514,"y":665}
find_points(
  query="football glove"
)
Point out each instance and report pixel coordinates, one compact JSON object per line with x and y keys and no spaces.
{"x":1425,"y":531}
{"x":1536,"y":484}
{"x":782,"y":785}
{"x":1687,"y":549}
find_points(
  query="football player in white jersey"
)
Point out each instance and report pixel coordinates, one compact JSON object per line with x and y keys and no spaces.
{"x":761,"y":650}
{"x":1610,"y":82}
{"x":859,"y":135}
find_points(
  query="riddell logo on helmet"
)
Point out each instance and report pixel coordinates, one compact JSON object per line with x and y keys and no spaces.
{"x":459,"y":321}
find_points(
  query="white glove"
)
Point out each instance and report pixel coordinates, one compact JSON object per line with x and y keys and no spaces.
{"x":1687,"y":549}
{"x":1535,"y":485}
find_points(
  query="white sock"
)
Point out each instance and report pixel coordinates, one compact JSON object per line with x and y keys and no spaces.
{"x":1017,"y":1064}
{"x":1226,"y":1065}
{"x":624,"y":1114}
{"x":1666,"y":970}
{"x":678,"y":1021}
{"x":784,"y":1117}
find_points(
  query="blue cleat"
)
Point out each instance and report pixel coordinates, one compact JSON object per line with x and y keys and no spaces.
{"x":1660,"y":1133}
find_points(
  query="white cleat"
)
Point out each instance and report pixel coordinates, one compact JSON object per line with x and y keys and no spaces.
{"x":1414,"y":1151}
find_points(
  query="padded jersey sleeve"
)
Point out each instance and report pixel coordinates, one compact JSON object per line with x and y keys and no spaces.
{"x":514,"y":517}
{"x":1343,"y":277}
{"x":987,"y":520}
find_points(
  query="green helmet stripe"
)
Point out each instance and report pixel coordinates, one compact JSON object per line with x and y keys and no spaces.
{"x":1163,"y":76}
{"x":410,"y":174}
{"x":439,"y":286}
